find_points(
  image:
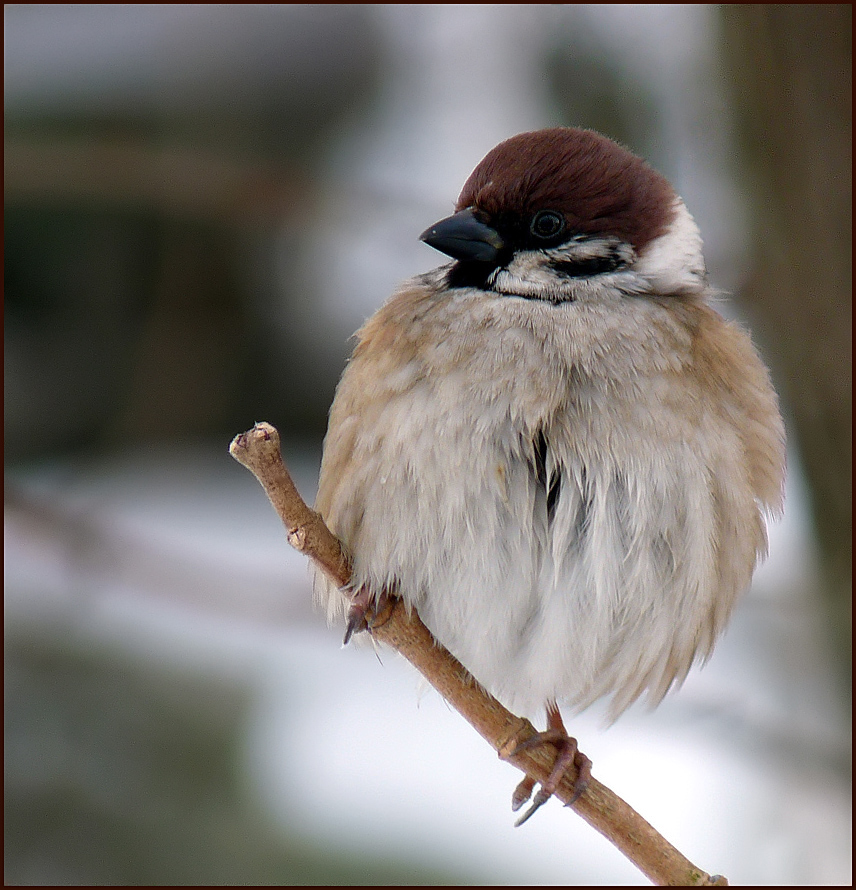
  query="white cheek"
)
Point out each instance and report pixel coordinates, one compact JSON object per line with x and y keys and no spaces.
{"x":673,"y":263}
{"x":528,"y":275}
{"x":531,"y":273}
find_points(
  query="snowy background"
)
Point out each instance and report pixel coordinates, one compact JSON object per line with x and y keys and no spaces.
{"x":175,"y":712}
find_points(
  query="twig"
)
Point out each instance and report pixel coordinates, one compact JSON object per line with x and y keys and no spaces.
{"x":259,"y":451}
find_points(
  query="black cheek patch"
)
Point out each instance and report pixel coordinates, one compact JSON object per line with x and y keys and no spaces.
{"x":588,"y":267}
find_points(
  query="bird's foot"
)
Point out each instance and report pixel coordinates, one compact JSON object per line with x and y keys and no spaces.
{"x":365,"y":611}
{"x":568,"y":754}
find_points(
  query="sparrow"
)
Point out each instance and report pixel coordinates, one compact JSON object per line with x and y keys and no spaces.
{"x":554,"y":447}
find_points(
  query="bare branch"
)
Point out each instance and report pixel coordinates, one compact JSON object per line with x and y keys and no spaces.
{"x":259,"y":451}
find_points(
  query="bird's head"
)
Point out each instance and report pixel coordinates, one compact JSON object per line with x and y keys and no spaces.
{"x":565,"y":214}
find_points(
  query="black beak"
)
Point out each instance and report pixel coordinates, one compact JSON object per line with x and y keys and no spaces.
{"x":463,"y":237}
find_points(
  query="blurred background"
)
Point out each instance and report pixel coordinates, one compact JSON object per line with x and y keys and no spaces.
{"x":202,"y":203}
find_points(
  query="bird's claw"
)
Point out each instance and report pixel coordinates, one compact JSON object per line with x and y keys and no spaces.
{"x":522,"y":793}
{"x":364,"y":610}
{"x":568,"y":753}
{"x":356,"y":623}
{"x":537,"y":802}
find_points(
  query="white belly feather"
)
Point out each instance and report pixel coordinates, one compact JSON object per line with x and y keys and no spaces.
{"x":431,"y":476}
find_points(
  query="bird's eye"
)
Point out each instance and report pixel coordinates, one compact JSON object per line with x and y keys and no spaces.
{"x":547,"y":224}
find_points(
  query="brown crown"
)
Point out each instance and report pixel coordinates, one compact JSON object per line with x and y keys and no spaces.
{"x":599,"y":186}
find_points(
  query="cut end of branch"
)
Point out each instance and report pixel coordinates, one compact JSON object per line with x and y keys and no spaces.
{"x":261,"y":442}
{"x":258,"y":450}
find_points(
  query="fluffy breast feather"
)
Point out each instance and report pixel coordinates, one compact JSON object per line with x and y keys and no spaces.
{"x":662,"y":430}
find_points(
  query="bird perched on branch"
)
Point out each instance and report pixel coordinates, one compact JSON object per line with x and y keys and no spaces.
{"x":554,"y":447}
